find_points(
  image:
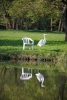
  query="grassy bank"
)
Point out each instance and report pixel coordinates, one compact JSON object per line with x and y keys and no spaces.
{"x":11,"y":45}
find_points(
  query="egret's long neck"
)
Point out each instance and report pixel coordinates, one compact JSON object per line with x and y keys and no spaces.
{"x":44,"y":37}
{"x":42,"y":85}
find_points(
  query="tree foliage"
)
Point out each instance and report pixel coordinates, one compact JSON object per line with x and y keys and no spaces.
{"x":30,"y":14}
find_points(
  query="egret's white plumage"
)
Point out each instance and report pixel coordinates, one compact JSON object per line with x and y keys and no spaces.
{"x":42,"y":41}
{"x":40,"y":78}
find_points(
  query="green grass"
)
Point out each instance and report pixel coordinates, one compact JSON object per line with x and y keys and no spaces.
{"x":10,"y":42}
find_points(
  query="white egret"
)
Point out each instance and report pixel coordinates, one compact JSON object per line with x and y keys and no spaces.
{"x":40,"y":78}
{"x":42,"y":41}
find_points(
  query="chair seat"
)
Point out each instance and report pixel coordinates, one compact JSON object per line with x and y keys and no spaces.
{"x":28,"y":43}
{"x":26,"y":76}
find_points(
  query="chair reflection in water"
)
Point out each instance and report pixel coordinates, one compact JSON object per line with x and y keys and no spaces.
{"x":26,"y":75}
{"x":27,"y":41}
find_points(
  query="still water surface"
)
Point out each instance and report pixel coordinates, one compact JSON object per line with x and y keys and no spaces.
{"x":12,"y":87}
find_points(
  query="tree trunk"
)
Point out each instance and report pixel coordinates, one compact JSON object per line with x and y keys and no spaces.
{"x":16,"y":26}
{"x":51,"y":25}
{"x":13,"y":24}
{"x":64,"y":20}
{"x":66,"y":34}
{"x":8,"y":25}
{"x":59,"y":27}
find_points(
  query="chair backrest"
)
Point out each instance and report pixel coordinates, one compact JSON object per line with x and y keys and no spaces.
{"x":27,"y":40}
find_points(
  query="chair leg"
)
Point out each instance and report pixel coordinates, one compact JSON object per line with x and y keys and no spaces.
{"x":32,"y":47}
{"x":23,"y":46}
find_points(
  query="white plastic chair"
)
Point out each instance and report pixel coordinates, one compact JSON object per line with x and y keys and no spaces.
{"x":27,"y":41}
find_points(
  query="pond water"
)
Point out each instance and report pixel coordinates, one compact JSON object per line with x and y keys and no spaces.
{"x":18,"y":81}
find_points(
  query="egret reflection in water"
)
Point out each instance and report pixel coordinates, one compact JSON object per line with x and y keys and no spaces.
{"x":40,"y":78}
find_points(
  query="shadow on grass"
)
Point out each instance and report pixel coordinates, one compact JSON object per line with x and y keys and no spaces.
{"x":19,"y":42}
{"x":55,"y":42}
{"x":10,"y":42}
{"x":13,"y":42}
{"x":43,"y":31}
{"x":59,"y":50}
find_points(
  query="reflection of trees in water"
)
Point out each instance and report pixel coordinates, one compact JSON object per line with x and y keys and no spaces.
{"x":54,"y":85}
{"x":15,"y":73}
{"x":62,"y":88}
{"x":8,"y":75}
{"x":3,"y":71}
